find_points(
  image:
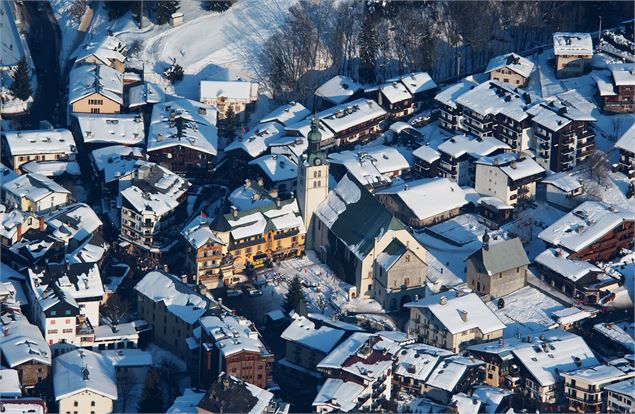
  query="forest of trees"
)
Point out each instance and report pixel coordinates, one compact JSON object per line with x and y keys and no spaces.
{"x":319,"y":39}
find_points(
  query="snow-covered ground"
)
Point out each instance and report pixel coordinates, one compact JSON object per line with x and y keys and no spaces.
{"x":68,"y":26}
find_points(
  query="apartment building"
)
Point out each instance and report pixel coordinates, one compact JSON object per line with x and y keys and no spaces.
{"x":373,"y":167}
{"x":206,"y":255}
{"x":354,"y":122}
{"x":626,"y":147}
{"x":617,"y":93}
{"x":21,"y":147}
{"x":621,"y":397}
{"x":453,"y":320}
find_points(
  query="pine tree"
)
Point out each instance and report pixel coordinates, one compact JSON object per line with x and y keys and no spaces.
{"x":368,"y":45}
{"x":21,"y":86}
{"x":294,"y":296}
{"x":174,"y":73}
{"x":165,"y":10}
{"x":229,"y":121}
{"x":151,"y":396}
{"x":217,"y":5}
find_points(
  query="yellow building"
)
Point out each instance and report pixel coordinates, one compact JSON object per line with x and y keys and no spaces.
{"x":95,"y":89}
{"x":510,"y":68}
{"x":453,"y":320}
{"x":261,"y":235}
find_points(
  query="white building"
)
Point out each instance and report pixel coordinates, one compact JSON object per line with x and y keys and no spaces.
{"x":35,"y":193}
{"x":114,"y":129}
{"x":621,"y":397}
{"x":374,"y":166}
{"x":20,"y":147}
{"x":225,"y":94}
{"x":84,"y":382}
{"x":573,"y":53}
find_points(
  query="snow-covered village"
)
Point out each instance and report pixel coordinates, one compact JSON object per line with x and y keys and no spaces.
{"x":316,"y":206}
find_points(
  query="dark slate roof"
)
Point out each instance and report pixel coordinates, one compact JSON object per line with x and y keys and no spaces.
{"x":362,"y":220}
{"x":500,"y":256}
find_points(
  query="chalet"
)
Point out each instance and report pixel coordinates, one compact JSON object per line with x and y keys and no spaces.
{"x":172,"y":308}
{"x":277,"y":172}
{"x":35,"y":193}
{"x":573,"y":53}
{"x":286,"y":115}
{"x":151,"y":206}
{"x":413,"y":365}
{"x":426,"y":162}
{"x":95,"y":89}
{"x":585,"y":387}
{"x":626,"y":147}
{"x":453,"y":320}
{"x":617,"y":94}
{"x":395,"y":98}
{"x":423,"y":202}
{"x":255,"y":142}
{"x":205,"y":259}
{"x":99,"y":130}
{"x":114,"y":167}
{"x":182,"y":136}
{"x":373,"y":167}
{"x":232,"y":344}
{"x":299,"y":131}
{"x":510,"y":68}
{"x":238,"y":95}
{"x":231,"y":394}
{"x":21,"y":147}
{"x":452,"y":377}
{"x":338,"y":90}
{"x":494,"y":212}
{"x":592,"y":231}
{"x":110,"y":52}
{"x":449,"y":112}
{"x":261,"y":235}
{"x":14,"y":223}
{"x":421,"y":87}
{"x":250,"y":195}
{"x":563,"y":134}
{"x":354,"y":122}
{"x":23,"y":348}
{"x":562,"y":190}
{"x":498,"y":268}
{"x":578,"y":279}
{"x":353,"y":254}
{"x":458,"y":154}
{"x":140,"y":96}
{"x":510,"y":177}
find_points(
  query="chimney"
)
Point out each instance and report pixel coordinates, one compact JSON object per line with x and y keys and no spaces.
{"x":278,"y":202}
{"x":443,"y":300}
{"x":234,"y":212}
{"x":463,"y":314}
{"x":485,"y":240}
{"x":247,"y":183}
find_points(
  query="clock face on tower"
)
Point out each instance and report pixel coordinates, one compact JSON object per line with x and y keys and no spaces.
{"x":317,"y":161}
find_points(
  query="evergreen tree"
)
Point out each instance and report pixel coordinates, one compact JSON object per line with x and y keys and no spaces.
{"x":229,"y":121}
{"x":151,"y":396}
{"x":368,"y":46}
{"x":217,"y":5}
{"x":294,"y":296}
{"x":174,"y":73}
{"x":165,"y":10}
{"x":117,"y":8}
{"x":21,"y":86}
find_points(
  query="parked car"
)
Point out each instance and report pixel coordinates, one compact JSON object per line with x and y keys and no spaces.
{"x":233,"y":293}
{"x":254,"y":292}
{"x":309,"y":284}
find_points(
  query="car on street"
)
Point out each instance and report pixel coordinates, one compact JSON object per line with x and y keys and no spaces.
{"x":254,"y":292}
{"x":233,"y":293}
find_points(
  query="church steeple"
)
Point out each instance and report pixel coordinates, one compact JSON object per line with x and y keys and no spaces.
{"x":314,"y":154}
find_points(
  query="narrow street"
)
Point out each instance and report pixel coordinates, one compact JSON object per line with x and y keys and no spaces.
{"x":44,"y":41}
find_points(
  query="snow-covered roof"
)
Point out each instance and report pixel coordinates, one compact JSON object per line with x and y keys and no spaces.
{"x":627,"y":140}
{"x":556,"y":260}
{"x":233,"y":334}
{"x":417,"y":82}
{"x":395,"y":92}
{"x":572,"y":44}
{"x":494,"y":97}
{"x":418,"y":360}
{"x":371,"y":165}
{"x":197,"y":232}
{"x":304,"y":332}
{"x":545,"y":360}
{"x":586,"y":224}
{"x":254,"y":222}
{"x":459,"y":145}
{"x":615,"y":333}
{"x":287,"y":114}
{"x":12,"y":45}
{"x":247,"y":197}
{"x":447,"y":374}
{"x":9,"y":222}
{"x":511,"y":61}
{"x":448,"y":95}
{"x":33,"y":187}
{"x":277,"y":167}
{"x":513,"y":166}
{"x":86,"y":80}
{"x":499,"y":256}
{"x":124,"y":129}
{"x":490,"y":397}
{"x":10,"y":384}
{"x":52,"y":168}
{"x":428,"y":197}
{"x":599,"y":373}
{"x":147,"y":93}
{"x":604,"y":84}
{"x":76,"y":221}
{"x":42,"y":141}
{"x":339,"y":394}
{"x":238,"y":90}
{"x":570,"y":315}
{"x":116,"y":161}
{"x":177,"y":297}
{"x":464,"y":404}
{"x":427,"y":154}
{"x":256,"y":141}
{"x":128,"y":358}
{"x":302,"y":129}
{"x":338,"y":89}
{"x":83,"y":370}
{"x":477,"y":314}
{"x":564,"y":181}
{"x":55,"y":284}
{"x":186,"y":403}
{"x":548,"y":118}
{"x":185,"y":123}
{"x":623,"y":74}
{"x":21,"y":342}
{"x":155,"y":189}
{"x":351,"y":114}
{"x":107,"y":50}
{"x":626,"y":387}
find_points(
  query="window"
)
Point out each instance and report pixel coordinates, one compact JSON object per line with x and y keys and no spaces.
{"x":68,"y":312}
{"x":94,"y":110}
{"x":407,"y":258}
{"x":92,"y":403}
{"x":53,"y":322}
{"x":75,"y":404}
{"x":53,"y":313}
